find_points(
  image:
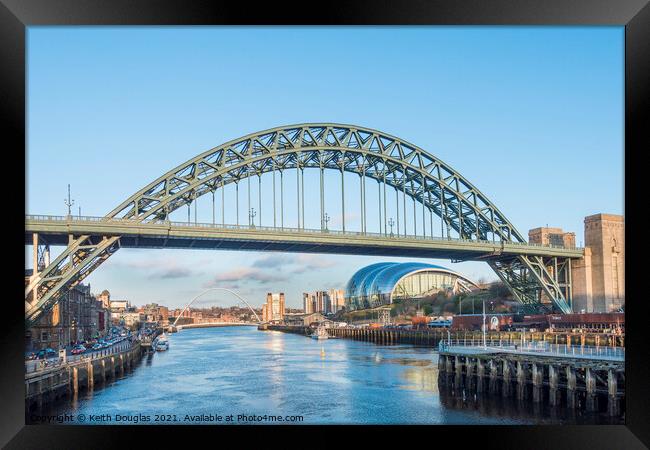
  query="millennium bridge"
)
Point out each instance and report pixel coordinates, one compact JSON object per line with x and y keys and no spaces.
{"x":434,"y":213}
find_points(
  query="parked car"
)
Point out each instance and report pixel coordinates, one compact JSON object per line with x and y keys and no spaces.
{"x":97,"y":346}
{"x":78,"y":350}
{"x":47,"y":353}
{"x":29,"y":356}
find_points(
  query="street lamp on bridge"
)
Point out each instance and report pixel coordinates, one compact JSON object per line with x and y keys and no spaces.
{"x":391,"y":222}
{"x":69,"y":203}
{"x":251,"y":217}
{"x":326,"y":219}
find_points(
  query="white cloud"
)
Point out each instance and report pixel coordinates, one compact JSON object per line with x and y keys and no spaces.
{"x":242,"y":275}
{"x":160,"y":268}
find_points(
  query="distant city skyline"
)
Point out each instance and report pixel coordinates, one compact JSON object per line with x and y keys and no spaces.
{"x":532,"y":116}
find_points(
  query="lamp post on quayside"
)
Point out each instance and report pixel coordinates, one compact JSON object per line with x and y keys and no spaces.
{"x":484,"y":326}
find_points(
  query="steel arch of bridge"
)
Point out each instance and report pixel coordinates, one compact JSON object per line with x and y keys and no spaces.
{"x":368,"y":153}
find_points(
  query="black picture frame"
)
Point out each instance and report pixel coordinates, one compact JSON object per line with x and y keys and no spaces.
{"x":16,"y":15}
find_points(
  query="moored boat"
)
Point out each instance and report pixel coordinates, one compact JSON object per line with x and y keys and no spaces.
{"x":161,"y":344}
{"x":320,"y":333}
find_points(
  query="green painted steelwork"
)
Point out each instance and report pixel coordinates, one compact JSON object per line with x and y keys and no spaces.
{"x":56,"y":230}
{"x":442,"y":191}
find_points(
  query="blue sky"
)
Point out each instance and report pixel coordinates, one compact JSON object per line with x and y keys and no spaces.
{"x":532,"y":116}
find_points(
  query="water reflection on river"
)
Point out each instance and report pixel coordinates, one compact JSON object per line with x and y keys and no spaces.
{"x":240,"y":370}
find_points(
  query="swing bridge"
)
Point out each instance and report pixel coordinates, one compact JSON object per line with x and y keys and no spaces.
{"x":419,"y":207}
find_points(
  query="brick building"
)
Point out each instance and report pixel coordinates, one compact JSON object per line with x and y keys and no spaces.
{"x":76,"y":317}
{"x":154,"y":312}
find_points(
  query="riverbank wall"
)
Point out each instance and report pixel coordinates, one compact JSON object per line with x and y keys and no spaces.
{"x":63,"y":380}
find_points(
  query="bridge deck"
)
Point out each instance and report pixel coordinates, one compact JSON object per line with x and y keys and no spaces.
{"x":55,"y":230}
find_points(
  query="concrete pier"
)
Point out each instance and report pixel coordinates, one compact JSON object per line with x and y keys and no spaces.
{"x":75,"y":380}
{"x":90,"y":374}
{"x":103,"y":370}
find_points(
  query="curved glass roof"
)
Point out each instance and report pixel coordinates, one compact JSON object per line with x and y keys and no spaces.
{"x":353,"y":288}
{"x":369,"y":286}
{"x":386,"y":280}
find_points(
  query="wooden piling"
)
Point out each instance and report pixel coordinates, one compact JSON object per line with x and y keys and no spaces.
{"x":521,"y":380}
{"x":571,"y":387}
{"x":590,"y":385}
{"x":613,"y":402}
{"x":553,"y":385}
{"x":537,"y":378}
{"x":480,"y":375}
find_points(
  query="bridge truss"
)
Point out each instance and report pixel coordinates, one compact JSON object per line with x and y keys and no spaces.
{"x":394,"y":164}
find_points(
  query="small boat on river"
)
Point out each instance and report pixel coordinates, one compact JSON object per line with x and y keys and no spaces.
{"x":161,"y":344}
{"x":320,"y":333}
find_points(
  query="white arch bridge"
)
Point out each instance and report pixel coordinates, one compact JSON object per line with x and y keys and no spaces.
{"x":423,"y":208}
{"x":241,"y":299}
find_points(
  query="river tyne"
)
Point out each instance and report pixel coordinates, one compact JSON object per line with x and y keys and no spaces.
{"x":270,"y":377}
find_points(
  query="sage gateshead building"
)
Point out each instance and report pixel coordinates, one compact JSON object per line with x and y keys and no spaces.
{"x":383,"y":283}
